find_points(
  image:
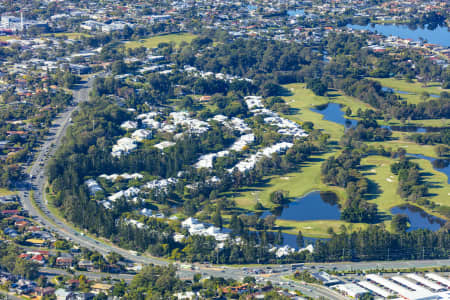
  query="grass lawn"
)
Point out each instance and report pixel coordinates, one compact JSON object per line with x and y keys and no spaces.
{"x":400,"y":141}
{"x":297,"y":184}
{"x":6,"y":192}
{"x":411,"y":87}
{"x":304,"y":99}
{"x":69,"y":35}
{"x":383,"y":184}
{"x":153,"y":42}
{"x":439,"y":188}
{"x":419,"y":123}
{"x":8,"y":37}
{"x":318,"y":228}
{"x":375,"y":168}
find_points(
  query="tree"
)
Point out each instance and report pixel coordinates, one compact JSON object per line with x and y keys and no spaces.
{"x":279,"y":238}
{"x":277,"y":197}
{"x":424,"y":96}
{"x":249,"y":280}
{"x":317,"y":86}
{"x":348,"y":112}
{"x":259,"y":206}
{"x":217,"y":219}
{"x":118,"y":67}
{"x":300,"y":240}
{"x":441,"y":150}
{"x":26,"y":269}
{"x":42,"y":281}
{"x":101,"y":296}
{"x":400,"y":223}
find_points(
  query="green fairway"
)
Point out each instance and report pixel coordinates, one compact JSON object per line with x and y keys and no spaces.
{"x":439,"y":188}
{"x":400,"y":141}
{"x":376,"y":169}
{"x":317,"y":229}
{"x":297,"y":184}
{"x":304,"y":99}
{"x":383,"y":184}
{"x":419,"y":123}
{"x":416,"y":88}
{"x":153,"y":42}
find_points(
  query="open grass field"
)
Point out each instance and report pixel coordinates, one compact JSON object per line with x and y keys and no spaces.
{"x":399,"y":140}
{"x":303,"y":99}
{"x":420,"y":123}
{"x":155,"y":40}
{"x":383,"y":184}
{"x":8,"y":37}
{"x":69,"y":35}
{"x":297,"y":184}
{"x":6,"y":192}
{"x":416,"y":88}
{"x":318,"y":228}
{"x":439,"y":188}
{"x":375,"y":168}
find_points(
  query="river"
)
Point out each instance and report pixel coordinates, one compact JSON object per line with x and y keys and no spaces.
{"x":440,"y":35}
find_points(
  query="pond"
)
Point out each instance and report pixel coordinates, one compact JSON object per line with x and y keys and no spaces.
{"x":439,"y":35}
{"x":313,"y":206}
{"x":441,"y":165}
{"x":391,"y":90}
{"x":333,"y":112}
{"x":295,"y":12}
{"x":418,"y":218}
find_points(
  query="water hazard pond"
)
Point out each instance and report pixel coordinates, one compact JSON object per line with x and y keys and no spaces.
{"x":333,"y":112}
{"x":418,"y":218}
{"x":313,"y":206}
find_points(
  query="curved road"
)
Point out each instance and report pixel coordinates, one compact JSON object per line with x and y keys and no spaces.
{"x":37,"y":179}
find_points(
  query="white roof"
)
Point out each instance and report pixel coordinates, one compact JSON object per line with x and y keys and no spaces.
{"x":440,"y":279}
{"x":189,"y":222}
{"x":374,"y":288}
{"x":93,"y":186}
{"x":398,"y":288}
{"x":128,"y":193}
{"x":129,"y":125}
{"x":124,"y":176}
{"x":410,"y":284}
{"x":351,"y":289}
{"x":251,"y":161}
{"x":424,"y":281}
{"x":164,"y":145}
{"x":141,"y":134}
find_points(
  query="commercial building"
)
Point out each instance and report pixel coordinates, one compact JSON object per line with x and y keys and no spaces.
{"x":351,"y":289}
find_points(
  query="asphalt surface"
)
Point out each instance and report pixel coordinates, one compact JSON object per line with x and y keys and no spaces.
{"x":37,"y":180}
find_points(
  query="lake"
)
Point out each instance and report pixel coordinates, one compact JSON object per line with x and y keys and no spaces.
{"x":441,"y":165}
{"x":418,"y":218}
{"x":296,"y":12}
{"x":440,"y":35}
{"x":333,"y":112}
{"x":313,"y":206}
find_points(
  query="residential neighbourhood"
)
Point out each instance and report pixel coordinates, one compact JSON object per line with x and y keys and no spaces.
{"x":224,"y":150}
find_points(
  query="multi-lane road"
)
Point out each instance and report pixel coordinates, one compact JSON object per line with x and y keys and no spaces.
{"x":37,"y":180}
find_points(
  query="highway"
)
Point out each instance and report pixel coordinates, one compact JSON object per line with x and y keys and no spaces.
{"x":36,"y":181}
